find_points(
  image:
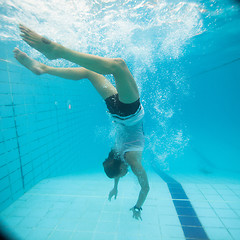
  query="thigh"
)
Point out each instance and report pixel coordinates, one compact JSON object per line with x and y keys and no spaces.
{"x":126,"y":84}
{"x":102,"y":85}
{"x":133,"y":156}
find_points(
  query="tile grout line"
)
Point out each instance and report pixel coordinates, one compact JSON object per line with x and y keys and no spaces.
{"x":217,"y":213}
{"x":15,"y":126}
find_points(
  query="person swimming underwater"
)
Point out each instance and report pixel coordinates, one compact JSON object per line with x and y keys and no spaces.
{"x":123,"y":103}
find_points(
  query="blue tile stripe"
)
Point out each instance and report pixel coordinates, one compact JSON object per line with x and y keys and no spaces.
{"x":191,"y":226}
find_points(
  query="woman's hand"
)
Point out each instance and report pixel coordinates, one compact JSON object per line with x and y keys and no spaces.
{"x":114,"y":192}
{"x":136,"y":213}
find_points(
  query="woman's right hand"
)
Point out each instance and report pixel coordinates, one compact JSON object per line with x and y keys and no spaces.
{"x":114,"y":192}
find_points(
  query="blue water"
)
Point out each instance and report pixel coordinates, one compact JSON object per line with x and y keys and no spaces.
{"x":185,"y":57}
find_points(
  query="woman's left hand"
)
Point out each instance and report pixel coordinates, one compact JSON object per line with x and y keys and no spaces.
{"x":136,"y":214}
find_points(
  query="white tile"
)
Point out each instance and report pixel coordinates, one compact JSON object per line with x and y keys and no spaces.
{"x":169,"y":220}
{"x":226,"y":213}
{"x":29,"y":222}
{"x":205,"y":212}
{"x":107,"y":227}
{"x":148,"y":228}
{"x":235,"y":233}
{"x":215,"y":197}
{"x":38,"y":212}
{"x":104,"y":236}
{"x":61,"y":235}
{"x":61,"y":205}
{"x":220,"y":205}
{"x":25,"y":197}
{"x":231,"y":222}
{"x":131,"y":225}
{"x":88,"y":225}
{"x":220,"y":186}
{"x":6,"y":212}
{"x":67,"y":224}
{"x":108,"y":216}
{"x":230,"y":197}
{"x":38,"y":234}
{"x":165,"y":203}
{"x":234,"y":205}
{"x":225,"y":192}
{"x":82,"y":235}
{"x":177,"y":238}
{"x":237,"y":212}
{"x":200,"y":204}
{"x":204,"y":186}
{"x":218,"y":233}
{"x":237,"y":192}
{"x":209,"y":191}
{"x":130,"y":236}
{"x":234,"y":186}
{"x":171,"y":232}
{"x":20,"y":212}
{"x":12,"y":221}
{"x":19,"y":204}
{"x":211,"y":222}
{"x":198,"y":197}
{"x":22,"y":232}
{"x":190,"y":186}
{"x":39,"y":203}
{"x":166,"y":211}
{"x":54,"y":213}
{"x":150,"y":216}
{"x":49,"y":223}
{"x":71,"y":214}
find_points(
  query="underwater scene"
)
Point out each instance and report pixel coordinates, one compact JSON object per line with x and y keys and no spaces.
{"x":119,"y":119}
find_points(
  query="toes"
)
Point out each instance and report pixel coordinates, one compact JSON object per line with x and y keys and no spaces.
{"x":22,"y":29}
{"x":25,"y":30}
{"x":26,"y":37}
{"x":29,"y":37}
{"x":21,"y":26}
{"x":28,"y":42}
{"x":15,"y":50}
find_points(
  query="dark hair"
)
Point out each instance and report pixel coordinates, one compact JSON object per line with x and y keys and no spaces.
{"x":112,"y":164}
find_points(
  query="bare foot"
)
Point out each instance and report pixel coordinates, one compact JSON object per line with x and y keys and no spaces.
{"x":40,"y":43}
{"x":33,"y":65}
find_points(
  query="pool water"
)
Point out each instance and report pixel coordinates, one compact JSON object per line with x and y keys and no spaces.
{"x":55,"y":133}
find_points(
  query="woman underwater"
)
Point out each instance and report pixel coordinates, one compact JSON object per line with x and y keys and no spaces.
{"x":123,"y":103}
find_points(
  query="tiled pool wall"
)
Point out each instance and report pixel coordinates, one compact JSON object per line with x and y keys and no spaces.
{"x":45,"y":126}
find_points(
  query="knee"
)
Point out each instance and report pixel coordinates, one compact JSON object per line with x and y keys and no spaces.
{"x":87,"y":73}
{"x":119,"y":65}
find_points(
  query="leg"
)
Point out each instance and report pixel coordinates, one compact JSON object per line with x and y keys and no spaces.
{"x":101,"y":84}
{"x":125,"y":83}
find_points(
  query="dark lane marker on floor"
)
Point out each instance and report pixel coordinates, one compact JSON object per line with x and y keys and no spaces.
{"x":187,"y":216}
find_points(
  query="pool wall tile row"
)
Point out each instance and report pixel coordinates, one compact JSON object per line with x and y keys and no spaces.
{"x":43,"y":121}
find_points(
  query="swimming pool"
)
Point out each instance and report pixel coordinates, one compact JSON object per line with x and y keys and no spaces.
{"x":56,"y":133}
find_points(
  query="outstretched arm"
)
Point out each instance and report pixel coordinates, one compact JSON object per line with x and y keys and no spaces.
{"x":134,"y":160}
{"x":140,"y":172}
{"x":114,"y":191}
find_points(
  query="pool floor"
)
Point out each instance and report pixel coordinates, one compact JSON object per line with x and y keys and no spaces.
{"x":76,"y":207}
